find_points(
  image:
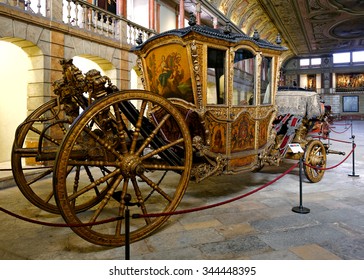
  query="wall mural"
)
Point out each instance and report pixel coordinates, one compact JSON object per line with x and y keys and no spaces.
{"x":350,"y":81}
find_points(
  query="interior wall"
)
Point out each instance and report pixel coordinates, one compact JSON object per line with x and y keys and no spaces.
{"x":15,"y":66}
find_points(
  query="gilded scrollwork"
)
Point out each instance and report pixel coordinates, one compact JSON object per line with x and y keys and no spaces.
{"x":141,"y":71}
{"x":197,"y":73}
{"x":214,"y":163}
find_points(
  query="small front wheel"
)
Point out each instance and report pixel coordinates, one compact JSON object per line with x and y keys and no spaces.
{"x":315,"y":161}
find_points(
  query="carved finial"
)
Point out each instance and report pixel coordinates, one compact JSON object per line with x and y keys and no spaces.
{"x":227,"y":28}
{"x":278,"y":39}
{"x":192,"y":20}
{"x":139,"y":40}
{"x":256,"y":35}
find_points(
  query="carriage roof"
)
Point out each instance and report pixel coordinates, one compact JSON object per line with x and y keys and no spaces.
{"x":225,"y":35}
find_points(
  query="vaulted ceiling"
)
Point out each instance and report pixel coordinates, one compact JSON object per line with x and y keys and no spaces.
{"x":307,"y":27}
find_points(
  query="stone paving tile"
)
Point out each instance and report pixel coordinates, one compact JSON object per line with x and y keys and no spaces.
{"x":319,"y":234}
{"x":313,"y":252}
{"x":347,"y":248}
{"x":284,"y":223}
{"x":187,"y":253}
{"x":237,"y":229}
{"x":238,"y":247}
{"x":276,"y":255}
{"x":179,"y":240}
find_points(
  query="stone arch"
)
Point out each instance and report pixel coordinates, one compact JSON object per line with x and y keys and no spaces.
{"x":107,"y":57}
{"x":28,"y":96}
{"x":36,"y":90}
{"x":104,"y":66}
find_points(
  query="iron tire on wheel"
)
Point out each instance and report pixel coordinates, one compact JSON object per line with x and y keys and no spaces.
{"x":315,"y":161}
{"x":140,"y":163}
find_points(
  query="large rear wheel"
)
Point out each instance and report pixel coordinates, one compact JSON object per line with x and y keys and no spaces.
{"x":142,"y":162}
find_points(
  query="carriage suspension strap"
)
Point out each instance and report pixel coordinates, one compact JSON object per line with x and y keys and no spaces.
{"x":292,"y":125}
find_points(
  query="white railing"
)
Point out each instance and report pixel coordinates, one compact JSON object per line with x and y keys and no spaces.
{"x":35,"y":6}
{"x":83,"y":15}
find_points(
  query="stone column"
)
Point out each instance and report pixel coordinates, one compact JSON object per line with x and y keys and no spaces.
{"x":181,"y":14}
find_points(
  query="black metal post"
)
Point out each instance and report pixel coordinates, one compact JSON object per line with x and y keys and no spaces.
{"x":300,"y":209}
{"x":353,"y":157}
{"x":127,"y":233}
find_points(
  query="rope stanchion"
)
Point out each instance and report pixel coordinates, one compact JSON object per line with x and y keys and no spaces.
{"x":300,"y":209}
{"x":353,"y":157}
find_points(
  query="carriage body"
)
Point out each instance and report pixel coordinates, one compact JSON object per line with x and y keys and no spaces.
{"x":224,"y":84}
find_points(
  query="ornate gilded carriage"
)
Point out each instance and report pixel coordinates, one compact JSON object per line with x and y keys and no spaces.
{"x":224,"y":85}
{"x":207,"y":107}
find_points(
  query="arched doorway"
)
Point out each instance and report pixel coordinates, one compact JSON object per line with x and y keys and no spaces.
{"x":88,"y":62}
{"x":14,"y":78}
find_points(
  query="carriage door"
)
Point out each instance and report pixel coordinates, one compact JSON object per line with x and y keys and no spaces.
{"x":216,"y":103}
{"x":243,"y":107}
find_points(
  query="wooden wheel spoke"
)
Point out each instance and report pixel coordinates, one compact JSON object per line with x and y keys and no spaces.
{"x":37,"y":131}
{"x":121,"y":129}
{"x":108,"y":146}
{"x":40,"y":176}
{"x":161,"y":149}
{"x":163,"y":167}
{"x":94,"y":184}
{"x":122,"y":207}
{"x":140,"y":200}
{"x":152,"y":134}
{"x":106,"y":199}
{"x":49,"y":196}
{"x":138,"y":125}
{"x":156,"y":187}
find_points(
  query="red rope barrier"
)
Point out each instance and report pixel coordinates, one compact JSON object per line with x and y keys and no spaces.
{"x":59,"y":224}
{"x":136,"y":216}
{"x":337,"y":132}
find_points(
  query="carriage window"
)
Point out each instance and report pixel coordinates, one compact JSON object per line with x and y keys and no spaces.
{"x":215,"y":76}
{"x":243,"y":81}
{"x":266,"y":81}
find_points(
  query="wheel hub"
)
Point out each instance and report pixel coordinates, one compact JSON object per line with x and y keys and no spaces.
{"x":131,"y":166}
{"x":316,"y":160}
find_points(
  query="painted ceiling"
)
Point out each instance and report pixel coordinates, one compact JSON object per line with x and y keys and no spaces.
{"x":307,"y":27}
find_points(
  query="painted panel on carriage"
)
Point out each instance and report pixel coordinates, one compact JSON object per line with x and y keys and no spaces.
{"x":168,"y":72}
{"x":242,"y":134}
{"x":217,"y":133}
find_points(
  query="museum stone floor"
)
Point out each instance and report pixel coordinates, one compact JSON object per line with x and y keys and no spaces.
{"x":261,"y":226}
